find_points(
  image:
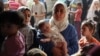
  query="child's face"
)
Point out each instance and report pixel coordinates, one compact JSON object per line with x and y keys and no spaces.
{"x":27,"y":15}
{"x":9,"y":29}
{"x":85,"y":31}
{"x":46,"y":28}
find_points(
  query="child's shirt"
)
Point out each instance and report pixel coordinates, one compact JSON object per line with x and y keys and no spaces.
{"x":14,"y":45}
{"x":78,"y":15}
{"x":29,"y":35}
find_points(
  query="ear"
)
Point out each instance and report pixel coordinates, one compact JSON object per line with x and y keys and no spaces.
{"x":92,"y":31}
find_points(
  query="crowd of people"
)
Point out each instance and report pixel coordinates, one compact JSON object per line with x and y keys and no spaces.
{"x":25,"y":31}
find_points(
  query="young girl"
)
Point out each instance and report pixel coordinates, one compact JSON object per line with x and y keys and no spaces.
{"x":88,"y":29}
{"x":77,"y":19}
{"x":13,"y":45}
{"x":27,"y":30}
{"x":52,"y":34}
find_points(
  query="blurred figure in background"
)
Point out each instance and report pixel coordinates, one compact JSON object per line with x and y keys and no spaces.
{"x":38,"y":11}
{"x":77,"y":19}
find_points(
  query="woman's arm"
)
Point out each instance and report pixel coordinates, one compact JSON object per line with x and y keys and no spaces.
{"x":73,"y":42}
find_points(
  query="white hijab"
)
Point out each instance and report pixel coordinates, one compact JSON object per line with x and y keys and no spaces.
{"x":63,"y":24}
{"x":91,"y":11}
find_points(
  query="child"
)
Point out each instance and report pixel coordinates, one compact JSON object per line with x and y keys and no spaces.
{"x":36,"y":52}
{"x":27,"y":30}
{"x":13,"y":45}
{"x":88,"y":29}
{"x":52,"y":34}
{"x":77,"y":19}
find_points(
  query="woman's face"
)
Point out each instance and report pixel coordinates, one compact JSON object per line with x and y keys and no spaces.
{"x":59,"y":13}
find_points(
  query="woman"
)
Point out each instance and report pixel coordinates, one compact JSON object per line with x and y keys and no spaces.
{"x":60,"y":20}
{"x":92,"y":9}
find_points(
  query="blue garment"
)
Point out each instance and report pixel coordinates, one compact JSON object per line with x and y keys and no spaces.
{"x":46,"y":47}
{"x":70,"y":36}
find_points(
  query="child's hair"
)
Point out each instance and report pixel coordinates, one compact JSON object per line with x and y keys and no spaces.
{"x":80,"y":4}
{"x":41,"y":23}
{"x":90,"y":24}
{"x":23,"y":8}
{"x":12,"y":17}
{"x":36,"y":52}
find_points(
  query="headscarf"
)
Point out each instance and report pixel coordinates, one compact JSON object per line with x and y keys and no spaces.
{"x":63,"y":24}
{"x":91,"y":11}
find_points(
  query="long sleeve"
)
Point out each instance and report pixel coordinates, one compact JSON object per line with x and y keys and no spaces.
{"x":71,"y":37}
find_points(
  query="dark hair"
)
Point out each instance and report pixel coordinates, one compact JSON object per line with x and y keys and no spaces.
{"x":80,"y":4}
{"x":22,"y":9}
{"x":12,"y":17}
{"x":90,"y":24}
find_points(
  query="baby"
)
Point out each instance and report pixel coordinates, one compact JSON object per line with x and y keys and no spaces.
{"x":53,"y":35}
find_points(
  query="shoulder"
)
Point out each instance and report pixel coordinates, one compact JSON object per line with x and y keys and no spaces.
{"x":70,"y":26}
{"x":69,"y":30}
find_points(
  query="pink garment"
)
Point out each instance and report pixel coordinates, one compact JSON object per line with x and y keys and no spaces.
{"x":14,"y":45}
{"x":13,"y":5}
{"x":78,"y":15}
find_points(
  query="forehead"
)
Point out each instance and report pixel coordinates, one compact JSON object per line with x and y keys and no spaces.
{"x":59,"y":6}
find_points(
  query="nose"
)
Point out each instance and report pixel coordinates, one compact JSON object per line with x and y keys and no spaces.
{"x":58,"y":13}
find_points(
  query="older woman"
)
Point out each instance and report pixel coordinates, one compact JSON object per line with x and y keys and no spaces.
{"x":60,"y":20}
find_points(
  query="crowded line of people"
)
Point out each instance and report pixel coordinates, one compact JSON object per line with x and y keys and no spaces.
{"x":27,"y":32}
